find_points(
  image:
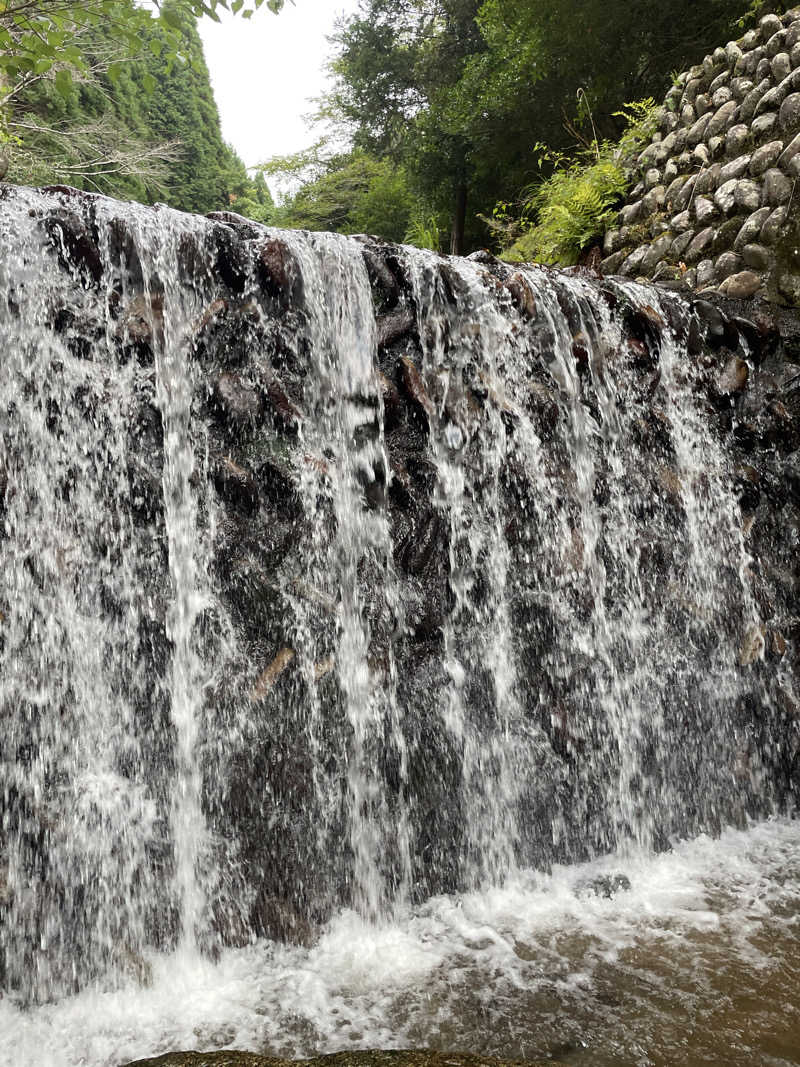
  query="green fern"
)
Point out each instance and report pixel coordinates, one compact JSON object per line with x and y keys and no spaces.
{"x":564,"y":214}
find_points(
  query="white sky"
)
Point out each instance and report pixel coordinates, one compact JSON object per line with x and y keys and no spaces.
{"x":265,"y":71}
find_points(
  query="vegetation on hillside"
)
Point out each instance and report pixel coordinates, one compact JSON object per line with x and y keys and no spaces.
{"x":103,"y":96}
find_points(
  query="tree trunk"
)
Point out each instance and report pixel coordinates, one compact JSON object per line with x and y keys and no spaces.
{"x":459,"y":220}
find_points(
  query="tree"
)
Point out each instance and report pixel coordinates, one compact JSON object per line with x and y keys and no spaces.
{"x":352,"y":193}
{"x":460,"y":91}
{"x":37,"y":37}
{"x":149,"y":131}
{"x":396,"y":65}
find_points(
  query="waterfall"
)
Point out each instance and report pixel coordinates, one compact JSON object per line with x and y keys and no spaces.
{"x":339,"y":576}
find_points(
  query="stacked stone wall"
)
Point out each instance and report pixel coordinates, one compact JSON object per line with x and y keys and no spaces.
{"x":717,"y":203}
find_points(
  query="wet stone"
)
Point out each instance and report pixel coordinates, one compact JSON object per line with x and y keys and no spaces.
{"x":630,"y":213}
{"x":721,"y":79}
{"x":765,"y":157}
{"x":652,"y":178}
{"x":680,"y":244}
{"x":725,"y":196}
{"x":735,"y":169}
{"x":727,"y":264}
{"x":734,"y":377}
{"x":720,"y":96}
{"x":764,"y":125}
{"x":673,"y":191}
{"x":736,"y":139}
{"x":701,"y":242}
{"x":751,"y":229}
{"x":743,"y":285}
{"x":705,"y":273}
{"x":727,"y":233}
{"x":237,"y":400}
{"x":747,"y":109}
{"x":789,"y":152}
{"x":789,"y":114}
{"x":756,"y":257}
{"x":773,"y":226}
{"x":691,"y":90}
{"x":704,"y":210}
{"x":723,"y":118}
{"x":781,"y":66}
{"x":655,"y":253}
{"x":698,"y":130}
{"x":740,"y":87}
{"x":653,"y":200}
{"x":708,"y":180}
{"x":769,"y":26}
{"x":777,"y":188}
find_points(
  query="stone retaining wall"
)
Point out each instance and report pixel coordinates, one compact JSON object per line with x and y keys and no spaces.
{"x":716,"y":205}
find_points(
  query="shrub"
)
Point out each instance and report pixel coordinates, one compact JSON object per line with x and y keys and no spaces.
{"x":574,"y":206}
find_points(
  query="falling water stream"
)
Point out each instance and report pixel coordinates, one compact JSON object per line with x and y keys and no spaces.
{"x":373,"y":693}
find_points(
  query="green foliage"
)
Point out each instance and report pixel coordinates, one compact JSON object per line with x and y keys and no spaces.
{"x":353,"y":193}
{"x":424,"y":231}
{"x":38,"y":37}
{"x":458,"y":91}
{"x":142,"y":129}
{"x":575,"y":205}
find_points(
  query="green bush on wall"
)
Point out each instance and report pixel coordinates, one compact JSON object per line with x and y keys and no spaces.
{"x":567,"y":212}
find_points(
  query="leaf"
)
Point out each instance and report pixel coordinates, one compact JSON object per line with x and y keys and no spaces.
{"x":237,"y":6}
{"x":64,"y":83}
{"x":172,"y":18}
{"x":149,"y":83}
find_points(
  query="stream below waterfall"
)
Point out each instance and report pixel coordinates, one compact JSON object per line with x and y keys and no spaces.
{"x":697,"y":962}
{"x":396,"y":651}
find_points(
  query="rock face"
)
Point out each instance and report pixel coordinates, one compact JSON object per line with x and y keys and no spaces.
{"x":340,"y":574}
{"x":738,"y":113}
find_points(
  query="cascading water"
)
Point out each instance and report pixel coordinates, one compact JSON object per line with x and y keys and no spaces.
{"x":345,"y":587}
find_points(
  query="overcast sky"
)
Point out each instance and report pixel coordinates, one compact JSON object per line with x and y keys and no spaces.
{"x":265,"y":70}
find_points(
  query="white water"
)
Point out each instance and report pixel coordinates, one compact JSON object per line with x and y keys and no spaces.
{"x":170,"y":785}
{"x":700,"y":954}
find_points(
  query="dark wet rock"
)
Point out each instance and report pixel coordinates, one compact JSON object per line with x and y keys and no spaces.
{"x":383,"y":280}
{"x":232,"y":258}
{"x":415,"y":388}
{"x":522,"y":295}
{"x":236,"y":485}
{"x":237,"y":400}
{"x":604,"y":885}
{"x":287,"y":414}
{"x":713,"y":320}
{"x":76,"y":247}
{"x":278,"y":271}
{"x":393,"y":1058}
{"x":394,"y":326}
{"x":393,"y":407}
{"x":734,"y":377}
